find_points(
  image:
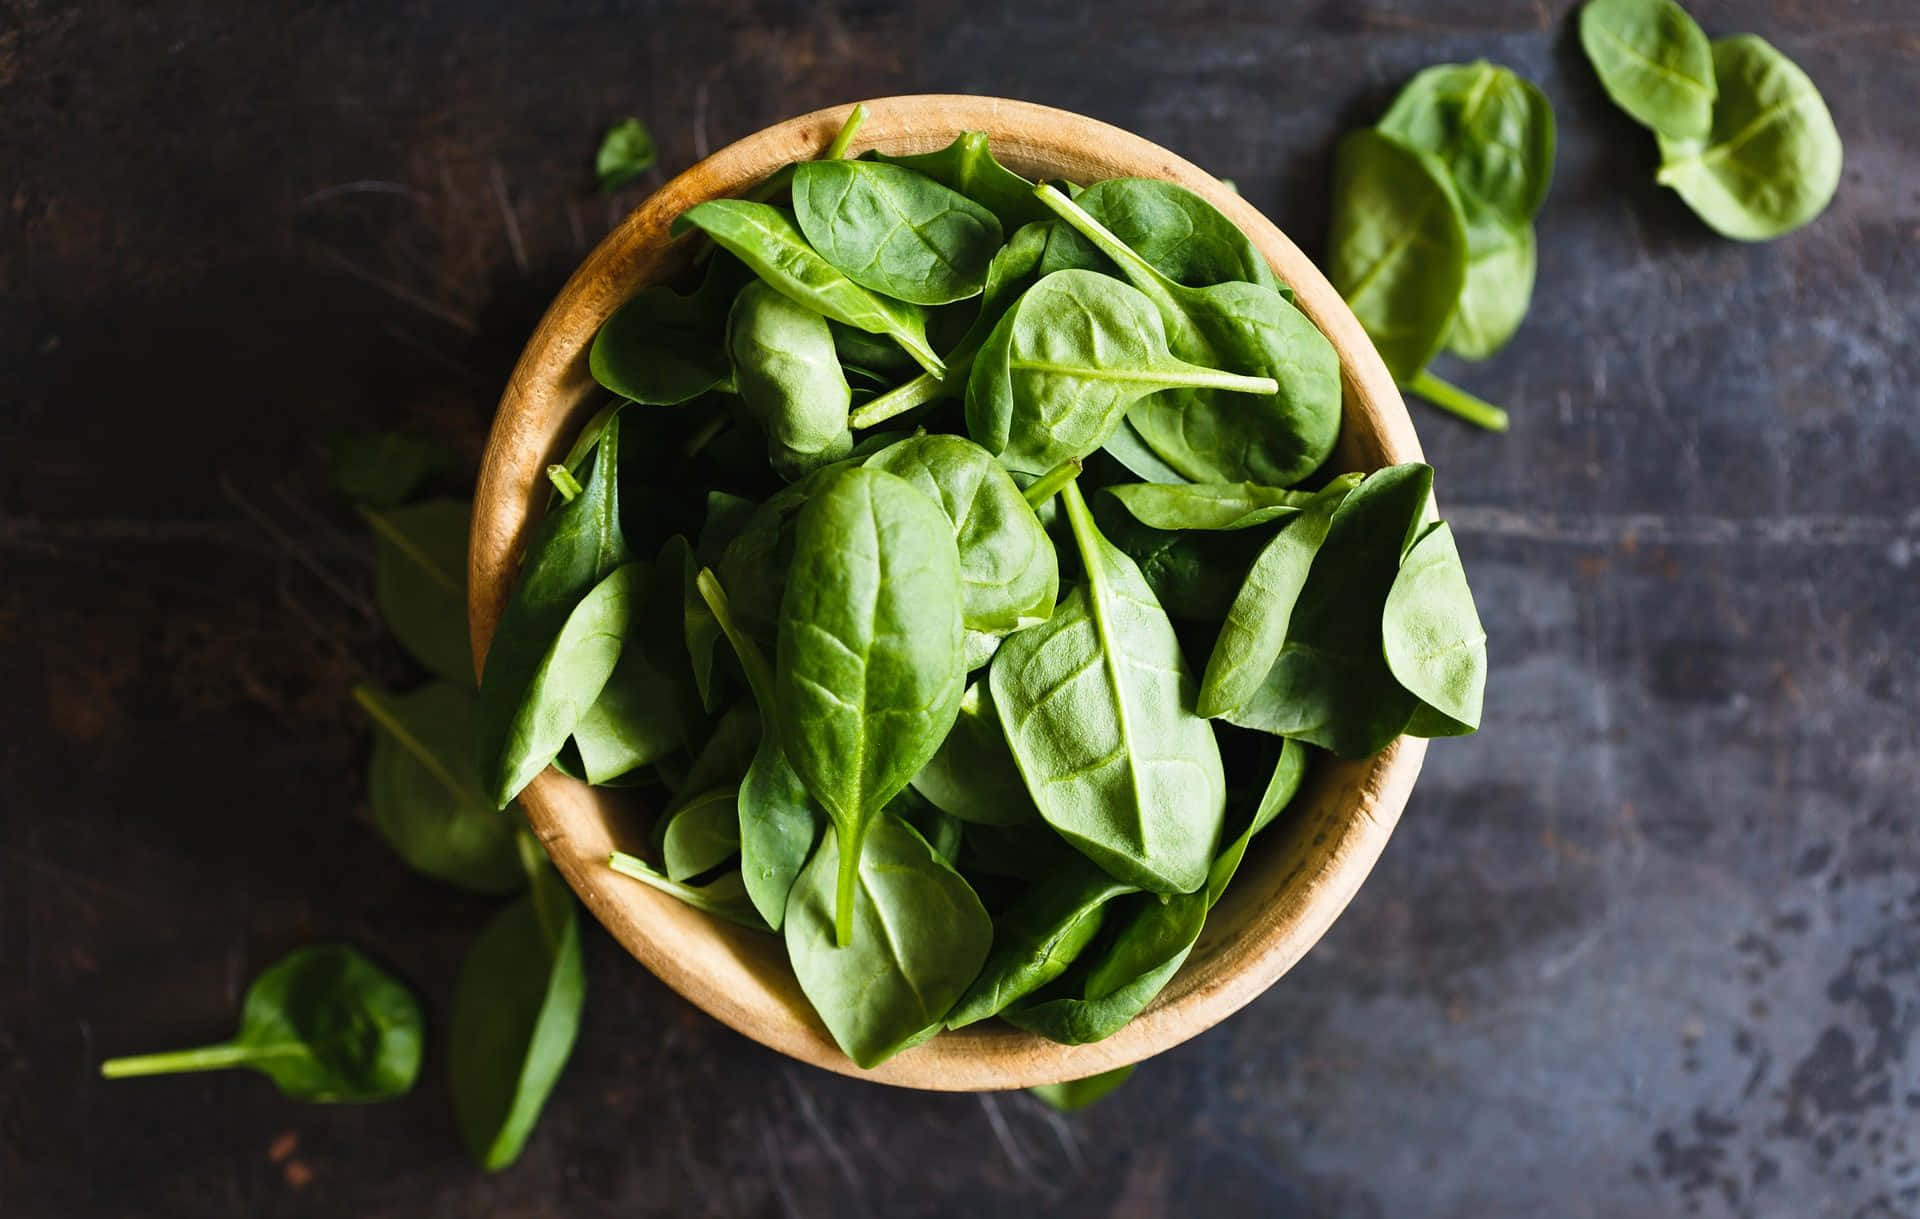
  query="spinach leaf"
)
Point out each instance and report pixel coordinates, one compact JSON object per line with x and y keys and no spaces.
{"x":789,"y":379}
{"x":662,"y":348}
{"x":1079,"y":1093}
{"x":1490,"y":130}
{"x":897,"y":232}
{"x":385,"y":469}
{"x":1654,"y":62}
{"x":1038,"y":938}
{"x":1331,"y":685}
{"x":1097,"y":706}
{"x":1276,"y":436}
{"x":1194,"y":574}
{"x":626,"y":152}
{"x":1060,"y":370}
{"x":884,"y":959}
{"x":726,"y":753}
{"x":1009,"y":574}
{"x":1434,"y":643}
{"x":424,"y":786}
{"x":1110,"y":987}
{"x":779,"y":821}
{"x":1209,"y":506}
{"x":420,"y":582}
{"x":1398,"y":250}
{"x":516,"y":1011}
{"x":724,"y":897}
{"x":968,"y":166}
{"x":1131,"y":450}
{"x":641,"y":713}
{"x":323,"y":1023}
{"x":1289,"y":772}
{"x":572,"y":550}
{"x":868,"y":674}
{"x":1181,"y":235}
{"x":766,"y":239}
{"x":1771,"y":161}
{"x":1256,"y":624}
{"x":1497,"y":293}
{"x":858,"y":349}
{"x":703,"y":832}
{"x":972,"y":775}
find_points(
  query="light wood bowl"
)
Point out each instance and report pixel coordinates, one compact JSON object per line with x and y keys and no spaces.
{"x":1300,"y":874}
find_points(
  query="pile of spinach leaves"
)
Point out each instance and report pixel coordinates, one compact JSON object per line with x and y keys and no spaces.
{"x":958,"y":568}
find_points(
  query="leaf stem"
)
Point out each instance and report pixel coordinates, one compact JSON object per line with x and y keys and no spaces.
{"x":844,"y":139}
{"x":171,"y":1062}
{"x":564,"y":482}
{"x":1049,"y":484}
{"x":1454,"y":400}
{"x":901,"y":399}
{"x":848,"y":883}
{"x":693,"y":895}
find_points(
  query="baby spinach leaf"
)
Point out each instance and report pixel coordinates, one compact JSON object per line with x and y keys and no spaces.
{"x":1180,"y":234}
{"x":1037,"y":939}
{"x":1434,"y":643}
{"x":968,"y":166}
{"x":884,"y":959}
{"x":641,"y":713}
{"x":566,"y":685}
{"x":1654,"y":62}
{"x":779,"y":821}
{"x":1009,"y":574}
{"x":662,"y":348}
{"x":572,"y":550}
{"x":789,"y":379}
{"x":1331,"y":685}
{"x":858,"y":349}
{"x":1194,"y":574}
{"x":1275,"y":436}
{"x":703,"y":832}
{"x":385,"y":469}
{"x":724,"y":897}
{"x":1108,"y":988}
{"x":516,"y":1011}
{"x":897,"y":232}
{"x":1497,"y":292}
{"x":424,"y":786}
{"x":323,"y":1023}
{"x":868,"y":674}
{"x":1289,"y":772}
{"x":626,"y":152}
{"x":1256,"y":624}
{"x":972,"y":775}
{"x":1771,"y":161}
{"x":1060,"y":370}
{"x":1131,"y":450}
{"x":1398,"y":250}
{"x":1209,"y":506}
{"x":766,"y":239}
{"x":420,"y":582}
{"x":1490,"y":130}
{"x":1097,"y":706}
{"x":1077,"y":1094}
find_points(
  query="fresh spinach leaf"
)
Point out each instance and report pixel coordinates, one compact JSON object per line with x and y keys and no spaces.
{"x":424,"y":786}
{"x":703,"y":832}
{"x":972,"y":775}
{"x":789,"y":379}
{"x":641,"y":713}
{"x":1037,"y":938}
{"x":1654,"y":62}
{"x":420,"y":582}
{"x":1771,"y":161}
{"x":1256,"y":624}
{"x":767,"y":240}
{"x":897,"y":232}
{"x":662,"y":348}
{"x":323,"y":1023}
{"x":868,"y":674}
{"x":1097,"y":705}
{"x":1434,"y":643}
{"x":1499,"y":289}
{"x":968,"y":166}
{"x":1110,"y":986}
{"x":516,"y":1011}
{"x":626,"y":152}
{"x":1208,"y":506}
{"x":1181,"y":235}
{"x":1490,"y":130}
{"x":1061,"y":369}
{"x":884,"y":959}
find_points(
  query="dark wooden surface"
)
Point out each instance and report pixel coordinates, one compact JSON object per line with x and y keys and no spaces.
{"x":1648,"y":945}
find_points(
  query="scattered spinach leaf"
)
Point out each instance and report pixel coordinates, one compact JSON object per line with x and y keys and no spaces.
{"x":626,"y":152}
{"x":1654,"y":62}
{"x":420,"y":582}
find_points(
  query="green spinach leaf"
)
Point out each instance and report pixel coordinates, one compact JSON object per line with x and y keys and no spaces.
{"x":1208,"y":506}
{"x":703,"y":832}
{"x":420,"y":582}
{"x":1037,"y":939}
{"x":626,"y":152}
{"x":789,"y":379}
{"x":1434,"y":643}
{"x":972,"y":775}
{"x":1654,"y":62}
{"x":897,"y":232}
{"x":968,"y":166}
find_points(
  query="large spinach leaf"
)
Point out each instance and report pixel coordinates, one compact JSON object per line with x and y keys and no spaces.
{"x":897,"y":232}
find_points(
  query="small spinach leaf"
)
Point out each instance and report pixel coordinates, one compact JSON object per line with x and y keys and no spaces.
{"x":1208,"y":506}
{"x":1434,"y":643}
{"x":703,"y":832}
{"x":1654,"y":62}
{"x":789,"y":379}
{"x":626,"y":152}
{"x":897,"y":232}
{"x":968,"y":166}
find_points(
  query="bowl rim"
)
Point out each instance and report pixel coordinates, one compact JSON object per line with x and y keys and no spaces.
{"x":706,"y":961}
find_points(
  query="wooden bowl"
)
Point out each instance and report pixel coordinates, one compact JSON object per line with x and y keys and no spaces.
{"x":1300,"y":873}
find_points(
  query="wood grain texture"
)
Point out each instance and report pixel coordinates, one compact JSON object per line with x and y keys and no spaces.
{"x":1298,"y":878}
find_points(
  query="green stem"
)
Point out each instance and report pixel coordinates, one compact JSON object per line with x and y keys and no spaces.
{"x":1144,"y":274}
{"x":901,"y":399}
{"x":838,"y":148}
{"x":1050,"y":484}
{"x":205,"y":1058}
{"x":1215,"y":378}
{"x":638,"y":869}
{"x":753,"y":662}
{"x":1457,"y":401}
{"x":849,"y":882}
{"x":703,"y":437}
{"x":564,"y":482}
{"x":922,"y":354}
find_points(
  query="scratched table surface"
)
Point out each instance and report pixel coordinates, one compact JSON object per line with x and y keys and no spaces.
{"x":1649,"y":944}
